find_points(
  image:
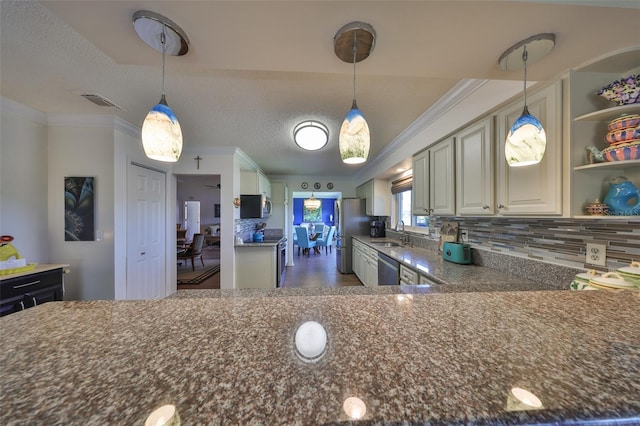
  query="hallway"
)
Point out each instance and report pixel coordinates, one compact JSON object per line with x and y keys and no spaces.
{"x":313,"y":271}
{"x":317,"y":270}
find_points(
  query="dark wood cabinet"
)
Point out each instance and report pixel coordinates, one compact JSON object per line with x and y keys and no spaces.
{"x":30,"y":290}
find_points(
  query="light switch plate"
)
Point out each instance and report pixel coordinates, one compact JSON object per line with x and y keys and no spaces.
{"x":597,"y":254}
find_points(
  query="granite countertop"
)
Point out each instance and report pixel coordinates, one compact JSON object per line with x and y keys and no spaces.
{"x":40,"y":267}
{"x":453,"y":277}
{"x":438,"y":358}
{"x":271,"y":242}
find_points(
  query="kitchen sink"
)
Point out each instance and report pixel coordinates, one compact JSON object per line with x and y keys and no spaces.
{"x":387,"y":243}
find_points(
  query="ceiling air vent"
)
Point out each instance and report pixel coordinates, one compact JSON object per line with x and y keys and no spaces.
{"x":99,"y":100}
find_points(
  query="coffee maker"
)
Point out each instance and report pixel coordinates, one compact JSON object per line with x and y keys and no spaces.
{"x":377,"y":229}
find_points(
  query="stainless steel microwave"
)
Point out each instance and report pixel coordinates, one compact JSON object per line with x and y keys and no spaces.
{"x":255,"y":206}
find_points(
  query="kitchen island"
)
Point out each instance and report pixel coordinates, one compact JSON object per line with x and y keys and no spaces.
{"x":228,"y":357}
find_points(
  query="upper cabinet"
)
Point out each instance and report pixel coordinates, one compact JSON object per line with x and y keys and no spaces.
{"x":279,"y":193}
{"x":474,"y":169}
{"x":420,"y":186}
{"x":377,"y":194}
{"x":590,"y":115}
{"x":537,"y":189}
{"x":442,"y":178}
{"x":254,"y":182}
{"x":434,"y":180}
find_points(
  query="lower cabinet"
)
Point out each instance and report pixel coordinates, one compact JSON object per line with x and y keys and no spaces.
{"x":256,"y":266}
{"x":365,"y":264}
{"x":26,"y":291}
{"x":408,"y":275}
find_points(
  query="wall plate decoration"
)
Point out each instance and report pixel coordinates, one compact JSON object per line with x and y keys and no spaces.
{"x":317,"y":185}
{"x":329,"y":185}
{"x":304,"y":185}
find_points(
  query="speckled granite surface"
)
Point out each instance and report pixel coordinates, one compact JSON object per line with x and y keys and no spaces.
{"x":438,"y":358}
{"x":458,"y":278}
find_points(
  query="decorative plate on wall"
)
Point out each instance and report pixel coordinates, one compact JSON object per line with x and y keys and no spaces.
{"x":317,"y":185}
{"x":329,"y":185}
{"x":304,"y":185}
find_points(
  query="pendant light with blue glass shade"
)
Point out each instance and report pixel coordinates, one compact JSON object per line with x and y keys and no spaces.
{"x":354,"y":42}
{"x":526,"y":142}
{"x":161,"y":131}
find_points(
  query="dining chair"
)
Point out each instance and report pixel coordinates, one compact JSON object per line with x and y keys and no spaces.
{"x":194,"y":250}
{"x":328,"y":241}
{"x":303,"y":240}
{"x":319,"y":229}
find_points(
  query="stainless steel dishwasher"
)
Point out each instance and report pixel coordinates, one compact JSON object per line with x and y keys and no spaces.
{"x":388,"y":270}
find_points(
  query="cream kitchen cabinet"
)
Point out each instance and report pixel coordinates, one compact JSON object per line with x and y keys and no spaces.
{"x":365,"y":263}
{"x":442,"y":188}
{"x":475,"y":189}
{"x":590,"y":116}
{"x":537,"y":189}
{"x":377,"y":194}
{"x":434,"y":180}
{"x":254,"y":182}
{"x":420,"y":185}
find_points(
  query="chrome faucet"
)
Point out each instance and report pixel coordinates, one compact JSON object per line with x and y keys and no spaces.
{"x":404,"y":239}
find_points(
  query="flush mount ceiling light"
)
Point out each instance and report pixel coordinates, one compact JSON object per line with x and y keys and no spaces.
{"x":161,"y":132}
{"x":354,"y":42}
{"x":311,"y":135}
{"x":526,"y":141}
{"x":312,"y":203}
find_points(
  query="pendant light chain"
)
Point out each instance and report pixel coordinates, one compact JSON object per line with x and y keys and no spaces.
{"x":355,"y":50}
{"x":524,"y":59}
{"x":164,"y":50}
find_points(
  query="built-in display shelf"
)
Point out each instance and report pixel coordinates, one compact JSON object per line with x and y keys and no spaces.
{"x":609,"y":164}
{"x":609,"y":113}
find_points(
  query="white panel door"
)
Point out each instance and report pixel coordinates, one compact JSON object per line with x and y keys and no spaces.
{"x":145,"y":233}
{"x":192,"y":218}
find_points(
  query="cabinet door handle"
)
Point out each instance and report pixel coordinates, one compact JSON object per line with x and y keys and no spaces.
{"x":430,"y":210}
{"x":27,"y":284}
{"x":485,"y":207}
{"x":500,"y":206}
{"x":143,"y":253}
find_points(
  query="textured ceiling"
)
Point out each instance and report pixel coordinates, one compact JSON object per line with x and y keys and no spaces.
{"x":257,"y":68}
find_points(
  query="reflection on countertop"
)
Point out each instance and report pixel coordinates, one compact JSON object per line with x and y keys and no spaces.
{"x":389,"y":358}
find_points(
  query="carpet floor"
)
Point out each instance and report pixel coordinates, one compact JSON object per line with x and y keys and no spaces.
{"x":187,"y":276}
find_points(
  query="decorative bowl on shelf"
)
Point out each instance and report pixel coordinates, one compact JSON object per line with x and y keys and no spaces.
{"x":625,"y":121}
{"x":597,"y":208}
{"x":625,"y":91}
{"x":623,"y":135}
{"x":623,"y":151}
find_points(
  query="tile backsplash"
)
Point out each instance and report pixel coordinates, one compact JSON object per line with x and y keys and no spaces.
{"x":558,"y":241}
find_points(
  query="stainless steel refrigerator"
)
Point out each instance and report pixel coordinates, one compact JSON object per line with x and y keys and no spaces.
{"x":351,"y":220}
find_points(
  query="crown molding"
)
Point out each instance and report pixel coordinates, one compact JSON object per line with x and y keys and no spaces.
{"x":125,"y":127}
{"x":454,"y":96}
{"x":22,"y":110}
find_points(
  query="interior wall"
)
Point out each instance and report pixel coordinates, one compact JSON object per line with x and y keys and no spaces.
{"x":224,"y":162}
{"x":203,"y":189}
{"x":328,"y":214}
{"x":83,"y":151}
{"x":23,"y":180}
